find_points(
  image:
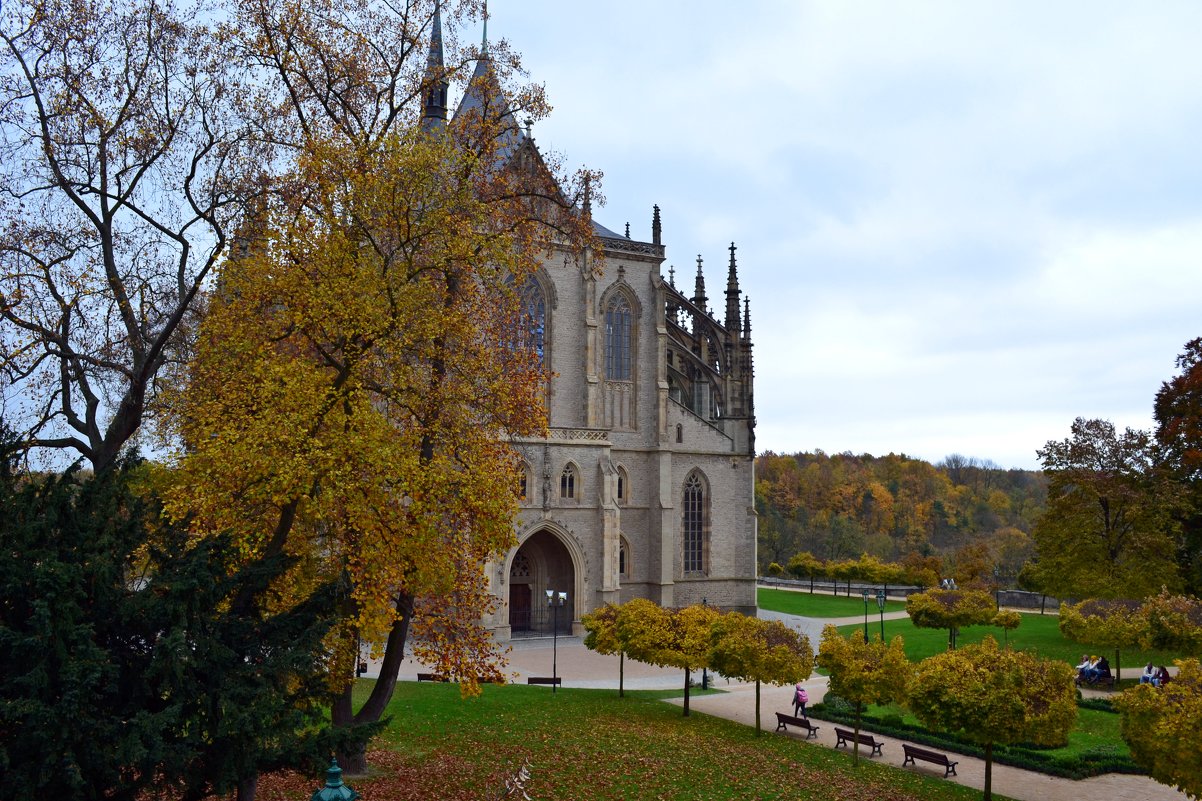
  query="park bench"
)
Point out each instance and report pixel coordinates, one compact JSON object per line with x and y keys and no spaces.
{"x":556,"y":681}
{"x":847,"y":736}
{"x":913,"y":752}
{"x":431,"y":677}
{"x":783,"y":722}
{"x":1101,"y":681}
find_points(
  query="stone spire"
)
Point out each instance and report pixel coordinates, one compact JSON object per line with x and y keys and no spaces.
{"x":699,"y":297}
{"x":747,"y":319}
{"x":434,"y":82}
{"x":732,"y":293}
{"x":656,"y":230}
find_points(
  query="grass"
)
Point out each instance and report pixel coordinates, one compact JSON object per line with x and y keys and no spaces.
{"x":823,"y":606}
{"x":592,"y":744}
{"x":1039,"y":634}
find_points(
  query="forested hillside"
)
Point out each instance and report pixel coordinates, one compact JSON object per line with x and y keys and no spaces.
{"x":837,"y":507}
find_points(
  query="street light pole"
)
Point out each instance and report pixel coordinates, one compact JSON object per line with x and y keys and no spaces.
{"x":705,"y":676}
{"x":865,"y":615}
{"x":880,"y":602}
{"x":552,"y":597}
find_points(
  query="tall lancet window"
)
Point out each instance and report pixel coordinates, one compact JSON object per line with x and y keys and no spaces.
{"x":534,"y":317}
{"x":695,"y":524}
{"x":618,"y":325}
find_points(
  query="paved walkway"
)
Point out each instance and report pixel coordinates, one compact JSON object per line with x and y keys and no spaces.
{"x":581,"y":667}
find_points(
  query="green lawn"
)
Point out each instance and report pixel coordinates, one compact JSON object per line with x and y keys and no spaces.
{"x":824,"y":606}
{"x":1039,"y":634}
{"x":590,"y":744}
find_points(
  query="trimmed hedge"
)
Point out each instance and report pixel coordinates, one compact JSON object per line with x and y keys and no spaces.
{"x":1093,"y":762}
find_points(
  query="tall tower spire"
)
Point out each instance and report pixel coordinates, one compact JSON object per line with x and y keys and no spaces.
{"x":699,"y":297}
{"x":434,"y":83}
{"x":656,"y":229}
{"x":732,"y":293}
{"x":484,"y":38}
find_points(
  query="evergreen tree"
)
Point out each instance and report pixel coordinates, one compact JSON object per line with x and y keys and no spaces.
{"x":128,"y":660}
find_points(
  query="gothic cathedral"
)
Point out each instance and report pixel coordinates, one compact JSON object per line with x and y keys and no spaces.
{"x":643,"y":486}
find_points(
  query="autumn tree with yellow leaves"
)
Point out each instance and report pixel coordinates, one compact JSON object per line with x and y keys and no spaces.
{"x":363,"y":362}
{"x":951,"y":610}
{"x":605,"y":637}
{"x":994,"y":695}
{"x":864,"y":672}
{"x":763,"y":651}
{"x":1161,"y":725}
{"x":1116,"y":624}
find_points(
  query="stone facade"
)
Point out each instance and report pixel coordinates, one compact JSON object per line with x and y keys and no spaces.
{"x":644,"y":484}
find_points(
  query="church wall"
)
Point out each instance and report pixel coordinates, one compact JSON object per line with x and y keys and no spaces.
{"x":655,"y":464}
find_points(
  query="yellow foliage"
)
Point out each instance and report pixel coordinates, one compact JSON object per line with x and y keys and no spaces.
{"x":1161,"y":726}
{"x":994,"y":695}
{"x":356,"y":383}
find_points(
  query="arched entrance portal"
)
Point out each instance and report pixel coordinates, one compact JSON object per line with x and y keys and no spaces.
{"x":541,"y":564}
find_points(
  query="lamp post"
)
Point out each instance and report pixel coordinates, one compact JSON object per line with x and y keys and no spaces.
{"x":880,"y":604}
{"x":705,"y":676}
{"x":552,"y":598}
{"x":865,"y":615}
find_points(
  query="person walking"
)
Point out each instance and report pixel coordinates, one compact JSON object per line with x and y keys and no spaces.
{"x":800,"y":699}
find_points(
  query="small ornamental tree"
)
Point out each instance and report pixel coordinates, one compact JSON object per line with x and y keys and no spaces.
{"x":992,"y":695}
{"x":1105,"y":624}
{"x":1161,"y":725}
{"x":750,"y":649}
{"x":864,"y":672}
{"x":604,"y":638}
{"x":688,"y":643}
{"x":1007,"y":620}
{"x":951,"y":610}
{"x":644,"y":627}
{"x":808,"y":565}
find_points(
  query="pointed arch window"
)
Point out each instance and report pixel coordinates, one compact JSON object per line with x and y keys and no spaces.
{"x":568,"y":483}
{"x":524,"y":482}
{"x":619,"y":325}
{"x":623,"y":559}
{"x":534,"y":317}
{"x":695,"y":526}
{"x":623,"y":488}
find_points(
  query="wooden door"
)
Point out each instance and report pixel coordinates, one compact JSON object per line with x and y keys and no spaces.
{"x":519,"y":607}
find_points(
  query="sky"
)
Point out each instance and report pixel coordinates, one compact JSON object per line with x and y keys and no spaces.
{"x":960,"y":225}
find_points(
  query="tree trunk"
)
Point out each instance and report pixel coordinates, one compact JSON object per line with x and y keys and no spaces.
{"x":354,"y":763}
{"x":247,"y":788}
{"x":757,"y":708}
{"x":1118,"y":667}
{"x":988,"y":772}
{"x":855,"y":746}
{"x":686,"y":692}
{"x":621,"y":674}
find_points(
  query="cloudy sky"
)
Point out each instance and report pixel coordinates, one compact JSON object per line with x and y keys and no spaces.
{"x":960,"y":225}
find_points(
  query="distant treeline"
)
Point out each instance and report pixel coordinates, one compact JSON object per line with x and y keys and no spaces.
{"x":840,"y":506}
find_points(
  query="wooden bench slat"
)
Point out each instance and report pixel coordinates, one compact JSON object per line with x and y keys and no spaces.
{"x":557,"y":680}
